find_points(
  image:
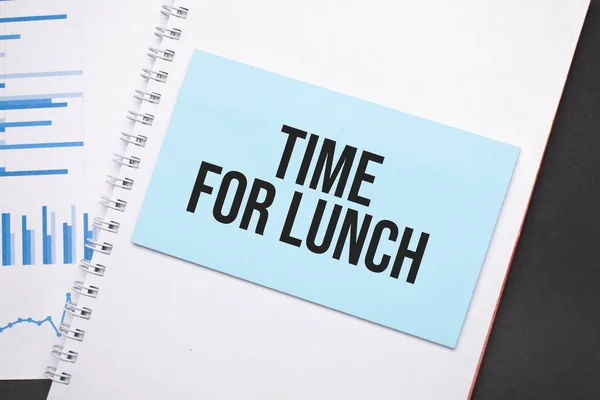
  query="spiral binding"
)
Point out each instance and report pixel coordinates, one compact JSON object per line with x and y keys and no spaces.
{"x":110,"y":202}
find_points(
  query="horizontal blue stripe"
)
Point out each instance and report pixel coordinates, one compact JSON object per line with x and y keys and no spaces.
{"x":40,"y":74}
{"x":29,"y":104}
{"x":10,"y":37}
{"x":20,"y":124}
{"x":1,"y":54}
{"x":4,"y":173}
{"x":2,"y":85}
{"x":42,"y":96}
{"x":31,"y":101}
{"x":33,"y":18}
{"x":39,"y":145}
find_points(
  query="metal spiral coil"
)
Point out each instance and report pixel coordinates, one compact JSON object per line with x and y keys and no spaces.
{"x":130,"y":162}
{"x":138,"y":140}
{"x":76,"y":311}
{"x":123,"y":183}
{"x":58,"y":377}
{"x":108,"y":226}
{"x":112,"y":203}
{"x":158,"y":76}
{"x":60,"y":353}
{"x":179,"y":12}
{"x":167,"y":55}
{"x":92,"y":268}
{"x":100,"y":247}
{"x":166,"y":33}
{"x":80,"y":287}
{"x":142,"y":118}
{"x":69,"y":333}
{"x":153,"y":98}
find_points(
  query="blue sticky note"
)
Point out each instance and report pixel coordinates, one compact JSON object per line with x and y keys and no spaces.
{"x":357,"y":207}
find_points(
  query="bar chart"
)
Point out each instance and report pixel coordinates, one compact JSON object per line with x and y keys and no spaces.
{"x":35,"y":116}
{"x":52,"y":243}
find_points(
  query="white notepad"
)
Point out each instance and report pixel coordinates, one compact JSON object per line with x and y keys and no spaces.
{"x":153,"y":326}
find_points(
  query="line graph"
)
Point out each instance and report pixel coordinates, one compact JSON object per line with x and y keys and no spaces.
{"x":40,"y":322}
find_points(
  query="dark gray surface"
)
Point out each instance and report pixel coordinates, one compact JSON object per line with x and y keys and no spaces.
{"x":545,"y":343}
{"x":546,"y":338}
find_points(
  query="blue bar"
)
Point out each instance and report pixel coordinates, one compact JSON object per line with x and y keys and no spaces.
{"x":7,"y":103}
{"x":12,"y":249}
{"x":45,"y":241}
{"x":26,"y":241}
{"x":6,"y":239}
{"x":53,"y":236}
{"x":20,"y":124}
{"x":87,"y":234}
{"x":67,"y":256}
{"x":2,"y":85}
{"x":32,"y":246}
{"x":4,"y":173}
{"x":1,"y":54}
{"x":43,"y":96}
{"x":73,"y":232}
{"x":39,"y":145}
{"x":40,"y":74}
{"x":69,"y":246}
{"x":65,"y":235}
{"x":29,"y":104}
{"x":10,"y":37}
{"x":33,"y":18}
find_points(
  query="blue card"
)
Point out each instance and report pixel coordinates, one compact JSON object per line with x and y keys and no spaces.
{"x":357,"y":207}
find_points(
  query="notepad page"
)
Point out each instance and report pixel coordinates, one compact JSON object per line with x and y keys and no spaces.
{"x":164,"y":328}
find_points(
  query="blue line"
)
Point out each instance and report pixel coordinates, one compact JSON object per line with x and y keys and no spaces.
{"x":10,"y":37}
{"x":30,"y":320}
{"x":39,"y":172}
{"x":67,"y":300}
{"x":33,"y":18}
{"x":39,"y":145}
{"x":2,"y":85}
{"x":43,"y":96}
{"x":40,"y":74}
{"x":48,"y":319}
